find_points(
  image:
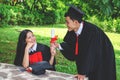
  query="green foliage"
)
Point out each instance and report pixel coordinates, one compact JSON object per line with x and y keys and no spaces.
{"x":9,"y":14}
{"x":49,"y":17}
{"x":5,"y":14}
{"x":109,"y":25}
{"x":116,"y":3}
{"x":39,"y":12}
{"x":117,"y":25}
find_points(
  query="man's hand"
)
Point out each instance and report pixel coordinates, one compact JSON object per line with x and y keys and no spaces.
{"x":80,"y":77}
{"x":56,"y":45}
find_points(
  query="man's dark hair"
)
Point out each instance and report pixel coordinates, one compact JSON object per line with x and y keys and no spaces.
{"x":74,"y":13}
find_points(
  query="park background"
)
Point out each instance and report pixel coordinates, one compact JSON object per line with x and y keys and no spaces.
{"x":41,"y":16}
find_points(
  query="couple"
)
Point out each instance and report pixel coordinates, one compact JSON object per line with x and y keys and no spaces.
{"x":84,"y":43}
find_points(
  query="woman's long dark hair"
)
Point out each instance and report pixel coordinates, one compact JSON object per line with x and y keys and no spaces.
{"x":21,"y":47}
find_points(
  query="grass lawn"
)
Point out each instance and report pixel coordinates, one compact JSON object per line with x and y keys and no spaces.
{"x":9,"y":37}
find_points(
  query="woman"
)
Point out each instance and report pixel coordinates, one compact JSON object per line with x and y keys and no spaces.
{"x":33,"y":56}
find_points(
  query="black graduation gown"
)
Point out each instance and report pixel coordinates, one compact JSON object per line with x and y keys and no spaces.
{"x":44,"y":49}
{"x":95,"y":57}
{"x":45,"y":53}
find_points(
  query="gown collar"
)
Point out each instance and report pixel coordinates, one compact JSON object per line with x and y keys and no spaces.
{"x":33,"y":48}
{"x":78,"y":32}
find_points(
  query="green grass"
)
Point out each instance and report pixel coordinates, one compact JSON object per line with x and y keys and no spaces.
{"x":9,"y":37}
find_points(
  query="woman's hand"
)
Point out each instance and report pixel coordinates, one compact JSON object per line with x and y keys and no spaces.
{"x":25,"y":62}
{"x":52,"y":49}
{"x":29,"y":45}
{"x":29,"y":69}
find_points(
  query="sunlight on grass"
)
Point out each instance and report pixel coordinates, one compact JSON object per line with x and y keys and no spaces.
{"x":115,"y":38}
{"x":46,"y":32}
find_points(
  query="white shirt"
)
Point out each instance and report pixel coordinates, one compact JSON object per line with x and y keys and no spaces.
{"x":78,"y":32}
{"x":33,"y":48}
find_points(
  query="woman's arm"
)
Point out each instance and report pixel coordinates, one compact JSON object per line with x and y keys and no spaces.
{"x":25,"y":62}
{"x":51,"y":61}
{"x":53,"y":53}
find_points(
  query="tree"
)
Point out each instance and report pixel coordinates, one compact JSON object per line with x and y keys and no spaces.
{"x":101,"y":8}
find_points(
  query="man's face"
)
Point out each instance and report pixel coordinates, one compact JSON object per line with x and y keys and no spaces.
{"x":71,"y":25}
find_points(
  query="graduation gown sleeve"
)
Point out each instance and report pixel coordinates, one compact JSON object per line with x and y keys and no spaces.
{"x":46,"y":53}
{"x":68,"y":46}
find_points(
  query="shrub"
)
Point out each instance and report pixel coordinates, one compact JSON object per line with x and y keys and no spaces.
{"x":5,"y":14}
{"x":117,"y":25}
{"x":9,"y":14}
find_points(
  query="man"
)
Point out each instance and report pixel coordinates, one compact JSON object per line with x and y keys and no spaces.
{"x":89,"y":47}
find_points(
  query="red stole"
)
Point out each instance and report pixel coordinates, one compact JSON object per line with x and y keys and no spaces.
{"x":35,"y":57}
{"x":76,"y":47}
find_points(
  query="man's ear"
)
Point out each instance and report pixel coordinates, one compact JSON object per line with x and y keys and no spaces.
{"x":76,"y":21}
